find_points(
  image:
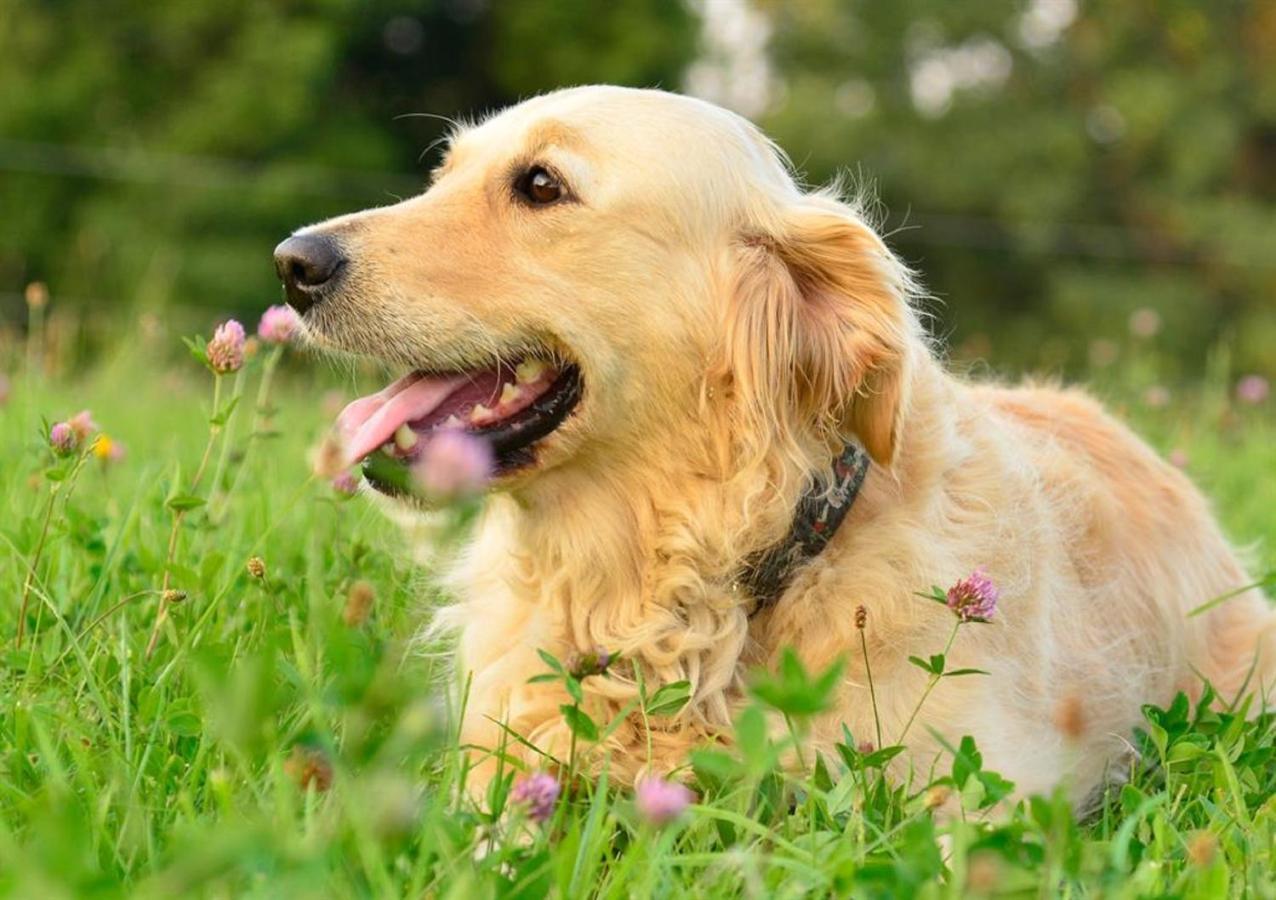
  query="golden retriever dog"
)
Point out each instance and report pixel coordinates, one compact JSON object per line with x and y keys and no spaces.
{"x":667,"y":343}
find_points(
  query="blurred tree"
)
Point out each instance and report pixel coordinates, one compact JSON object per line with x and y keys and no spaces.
{"x":156,"y":152}
{"x":1064,"y":164}
{"x":1050,"y":165}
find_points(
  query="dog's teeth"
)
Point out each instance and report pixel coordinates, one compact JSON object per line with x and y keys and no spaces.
{"x":452,"y":421}
{"x":509,"y":394}
{"x":388,"y":448}
{"x":479,"y":413}
{"x":404,"y":438}
{"x":529,"y":370}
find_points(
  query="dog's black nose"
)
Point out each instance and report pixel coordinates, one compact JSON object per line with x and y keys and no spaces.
{"x":306,"y":263}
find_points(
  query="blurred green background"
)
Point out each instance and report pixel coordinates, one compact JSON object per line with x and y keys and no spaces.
{"x":1067,"y":176}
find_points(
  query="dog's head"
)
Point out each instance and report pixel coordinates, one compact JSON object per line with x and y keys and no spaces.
{"x":594,"y":270}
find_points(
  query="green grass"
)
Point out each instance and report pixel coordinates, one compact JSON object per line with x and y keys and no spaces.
{"x":178,"y":774}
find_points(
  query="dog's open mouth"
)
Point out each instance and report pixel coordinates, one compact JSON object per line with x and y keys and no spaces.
{"x":510,"y":406}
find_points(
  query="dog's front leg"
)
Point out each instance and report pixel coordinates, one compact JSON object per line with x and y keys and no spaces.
{"x":508,"y":721}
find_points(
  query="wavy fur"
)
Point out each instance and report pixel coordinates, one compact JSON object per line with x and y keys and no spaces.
{"x":733,"y":330}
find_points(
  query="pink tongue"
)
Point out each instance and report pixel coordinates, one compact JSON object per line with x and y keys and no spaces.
{"x":359,"y":411}
{"x":369,"y":422}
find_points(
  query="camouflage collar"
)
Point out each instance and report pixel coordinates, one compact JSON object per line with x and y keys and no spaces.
{"x":819,"y":513}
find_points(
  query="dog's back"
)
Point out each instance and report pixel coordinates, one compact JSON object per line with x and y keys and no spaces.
{"x":1137,"y":525}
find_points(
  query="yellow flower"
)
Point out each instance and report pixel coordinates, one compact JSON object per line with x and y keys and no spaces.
{"x":106,"y":449}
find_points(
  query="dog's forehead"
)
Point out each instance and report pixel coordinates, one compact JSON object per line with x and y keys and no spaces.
{"x":608,"y":123}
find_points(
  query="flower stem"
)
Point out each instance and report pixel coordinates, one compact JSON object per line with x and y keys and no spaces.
{"x":872,"y":692}
{"x":261,"y":419}
{"x":29,"y":581}
{"x":930,"y":685}
{"x":98,"y":621}
{"x":35,"y":561}
{"x":228,"y":438}
{"x":178,"y":515}
{"x":35,"y":341}
{"x":213,"y":432}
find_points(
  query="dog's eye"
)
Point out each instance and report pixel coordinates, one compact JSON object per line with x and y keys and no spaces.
{"x":539,"y":187}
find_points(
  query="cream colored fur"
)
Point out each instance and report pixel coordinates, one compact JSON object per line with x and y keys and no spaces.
{"x":732,"y":330}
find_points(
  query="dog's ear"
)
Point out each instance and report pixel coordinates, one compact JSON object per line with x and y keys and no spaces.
{"x":819,"y":328}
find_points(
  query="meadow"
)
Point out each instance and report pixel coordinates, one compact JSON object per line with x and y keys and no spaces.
{"x":217,"y":691}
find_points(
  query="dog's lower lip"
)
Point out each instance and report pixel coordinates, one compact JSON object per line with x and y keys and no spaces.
{"x":511,"y":440}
